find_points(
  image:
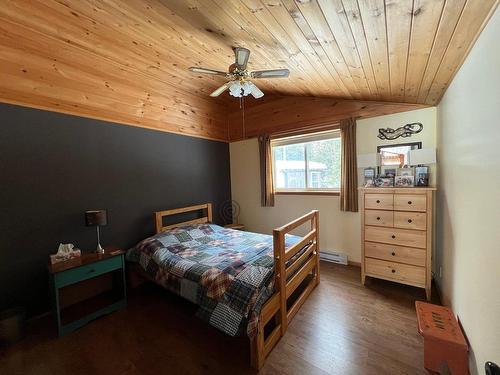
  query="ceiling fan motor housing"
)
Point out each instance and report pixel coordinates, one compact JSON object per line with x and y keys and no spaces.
{"x":235,"y":70}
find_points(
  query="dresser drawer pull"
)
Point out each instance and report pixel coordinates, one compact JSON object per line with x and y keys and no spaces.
{"x":393,"y":271}
{"x":409,"y":202}
{"x":410,"y":221}
{"x":378,"y":217}
{"x":393,"y":254}
{"x":393,"y":236}
{"x":378,"y":200}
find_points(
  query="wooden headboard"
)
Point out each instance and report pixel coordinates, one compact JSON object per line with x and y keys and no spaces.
{"x":161,"y":214}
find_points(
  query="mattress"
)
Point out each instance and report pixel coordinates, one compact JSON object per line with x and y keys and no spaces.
{"x":228,"y":273}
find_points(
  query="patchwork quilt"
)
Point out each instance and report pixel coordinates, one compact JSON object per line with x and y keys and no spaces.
{"x":228,"y":273}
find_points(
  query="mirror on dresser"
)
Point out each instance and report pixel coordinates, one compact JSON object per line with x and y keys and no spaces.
{"x":397,"y":155}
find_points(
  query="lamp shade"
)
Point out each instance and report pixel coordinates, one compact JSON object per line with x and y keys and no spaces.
{"x":96,"y":218}
{"x":422,"y":156}
{"x":368,"y":160}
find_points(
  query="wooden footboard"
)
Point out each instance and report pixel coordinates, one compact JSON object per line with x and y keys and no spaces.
{"x":291,"y":270}
{"x":296,"y":271}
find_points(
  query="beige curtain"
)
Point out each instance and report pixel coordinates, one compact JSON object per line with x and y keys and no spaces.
{"x":266,"y":171}
{"x":349,"y":174}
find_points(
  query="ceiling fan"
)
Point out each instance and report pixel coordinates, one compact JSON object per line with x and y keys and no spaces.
{"x":239,"y":83}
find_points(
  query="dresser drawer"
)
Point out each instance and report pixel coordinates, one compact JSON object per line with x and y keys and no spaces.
{"x":379,"y":218}
{"x":410,"y":202}
{"x":410,"y":220}
{"x":379,"y":201}
{"x":405,"y":273}
{"x":408,"y":255}
{"x":88,"y":271}
{"x":403,"y":237}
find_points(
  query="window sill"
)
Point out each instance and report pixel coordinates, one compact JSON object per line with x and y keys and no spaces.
{"x":305,"y":192}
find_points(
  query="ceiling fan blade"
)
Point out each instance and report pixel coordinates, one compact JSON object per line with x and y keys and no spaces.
{"x":207,"y":71}
{"x":220,"y":90}
{"x":255,"y":91}
{"x":241,"y":56}
{"x":274,"y":73}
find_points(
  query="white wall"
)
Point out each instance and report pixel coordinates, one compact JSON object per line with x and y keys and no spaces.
{"x":339,"y":231}
{"x":468,"y":233}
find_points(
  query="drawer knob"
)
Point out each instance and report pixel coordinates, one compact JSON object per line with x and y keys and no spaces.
{"x":410,"y":221}
{"x":91,"y":271}
{"x":378,"y":217}
{"x":409,"y":202}
{"x":378,"y":201}
{"x":393,"y":271}
{"x":393,"y":253}
{"x":393,"y":236}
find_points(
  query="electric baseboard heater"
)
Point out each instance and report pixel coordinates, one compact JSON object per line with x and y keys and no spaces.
{"x":334,"y":257}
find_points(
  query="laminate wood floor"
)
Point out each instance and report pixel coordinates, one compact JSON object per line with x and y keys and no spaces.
{"x":343,"y":328}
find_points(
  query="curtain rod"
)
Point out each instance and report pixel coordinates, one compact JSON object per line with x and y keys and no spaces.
{"x":305,"y":130}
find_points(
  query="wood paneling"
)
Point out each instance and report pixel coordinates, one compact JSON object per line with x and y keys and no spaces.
{"x":126,"y":61}
{"x":288,"y":113}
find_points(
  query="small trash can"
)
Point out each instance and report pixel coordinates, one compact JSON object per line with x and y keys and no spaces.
{"x":11,"y":325}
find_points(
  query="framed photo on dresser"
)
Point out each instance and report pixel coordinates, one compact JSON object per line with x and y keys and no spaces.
{"x":422,"y":176}
{"x":404,"y":181}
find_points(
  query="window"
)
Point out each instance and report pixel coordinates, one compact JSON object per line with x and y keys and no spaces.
{"x":307,"y":163}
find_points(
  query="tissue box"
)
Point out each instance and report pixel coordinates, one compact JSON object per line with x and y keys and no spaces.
{"x":56,"y":258}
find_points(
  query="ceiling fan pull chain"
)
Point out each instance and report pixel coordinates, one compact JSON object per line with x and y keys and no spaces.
{"x":242,"y":106}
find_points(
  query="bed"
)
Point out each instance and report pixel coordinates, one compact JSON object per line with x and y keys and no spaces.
{"x":243,"y":283}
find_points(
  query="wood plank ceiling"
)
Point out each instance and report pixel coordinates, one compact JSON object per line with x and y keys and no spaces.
{"x":127,"y":61}
{"x":392,"y":50}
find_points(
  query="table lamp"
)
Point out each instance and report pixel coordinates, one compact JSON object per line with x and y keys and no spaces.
{"x":96,"y":218}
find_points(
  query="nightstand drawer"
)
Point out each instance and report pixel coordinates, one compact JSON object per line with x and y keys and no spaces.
{"x":87,"y":271}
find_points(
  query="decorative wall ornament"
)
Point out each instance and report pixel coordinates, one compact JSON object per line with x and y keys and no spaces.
{"x":229,"y":212}
{"x":405,"y":131}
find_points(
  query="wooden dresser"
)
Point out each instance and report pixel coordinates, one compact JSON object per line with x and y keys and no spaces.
{"x":396,"y":235}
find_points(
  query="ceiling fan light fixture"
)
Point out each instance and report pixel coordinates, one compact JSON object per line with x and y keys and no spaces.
{"x":255,"y":91}
{"x":239,"y":89}
{"x":235,"y":89}
{"x":238,"y":75}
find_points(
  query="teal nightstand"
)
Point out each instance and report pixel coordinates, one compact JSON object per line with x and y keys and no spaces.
{"x":86,"y":276}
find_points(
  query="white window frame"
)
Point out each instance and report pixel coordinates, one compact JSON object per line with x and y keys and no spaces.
{"x":320,"y":136}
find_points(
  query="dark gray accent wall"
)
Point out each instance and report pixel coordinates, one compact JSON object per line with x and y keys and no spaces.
{"x":53,"y":167}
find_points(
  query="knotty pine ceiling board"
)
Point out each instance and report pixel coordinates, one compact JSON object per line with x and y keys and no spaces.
{"x":288,"y":113}
{"x":127,"y":61}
